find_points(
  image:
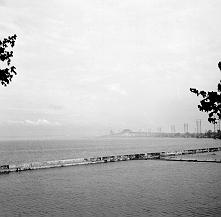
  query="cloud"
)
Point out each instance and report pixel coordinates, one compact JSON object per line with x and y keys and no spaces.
{"x":39,"y":122}
{"x":55,"y":107}
{"x":117,"y":89}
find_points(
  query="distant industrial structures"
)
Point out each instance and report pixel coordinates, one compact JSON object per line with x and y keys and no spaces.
{"x":198,"y":126}
{"x":149,"y":133}
{"x":185,"y":130}
{"x":159,"y":133}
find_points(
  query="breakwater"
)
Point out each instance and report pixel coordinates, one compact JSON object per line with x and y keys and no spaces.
{"x":168,"y":156}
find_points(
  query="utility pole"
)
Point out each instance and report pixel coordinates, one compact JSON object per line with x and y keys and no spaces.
{"x":159,"y":131}
{"x":198,"y":126}
{"x":173,"y":129}
{"x":185,"y":127}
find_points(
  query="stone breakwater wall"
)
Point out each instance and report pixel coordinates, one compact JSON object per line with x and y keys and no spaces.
{"x":83,"y":161}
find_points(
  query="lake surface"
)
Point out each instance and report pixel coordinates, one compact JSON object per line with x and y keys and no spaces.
{"x":29,"y":151}
{"x":132,"y":188}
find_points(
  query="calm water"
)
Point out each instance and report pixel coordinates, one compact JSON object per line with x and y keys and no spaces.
{"x":29,"y":151}
{"x":133,"y":188}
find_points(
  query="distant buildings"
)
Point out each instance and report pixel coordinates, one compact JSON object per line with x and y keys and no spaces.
{"x":130,"y":133}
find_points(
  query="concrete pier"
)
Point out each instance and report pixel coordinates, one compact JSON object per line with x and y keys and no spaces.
{"x":167,"y":156}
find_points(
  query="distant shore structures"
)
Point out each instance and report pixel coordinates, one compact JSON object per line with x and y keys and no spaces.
{"x":149,"y":133}
{"x":128,"y":133}
{"x":159,"y":133}
{"x":168,"y":156}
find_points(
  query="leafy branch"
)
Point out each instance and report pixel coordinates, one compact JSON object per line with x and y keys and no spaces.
{"x":8,"y":72}
{"x":211,"y":102}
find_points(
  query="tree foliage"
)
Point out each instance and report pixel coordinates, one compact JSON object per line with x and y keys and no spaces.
{"x":211,"y":102}
{"x":7,"y":72}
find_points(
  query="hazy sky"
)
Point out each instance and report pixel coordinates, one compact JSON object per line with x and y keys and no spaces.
{"x":85,"y":67}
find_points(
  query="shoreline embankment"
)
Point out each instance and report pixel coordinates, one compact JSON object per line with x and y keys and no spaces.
{"x":166,"y":156}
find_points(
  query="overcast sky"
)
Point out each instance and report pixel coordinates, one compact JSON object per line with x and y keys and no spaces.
{"x":86,"y":67}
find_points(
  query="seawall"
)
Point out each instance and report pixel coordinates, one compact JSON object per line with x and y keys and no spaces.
{"x":168,"y":156}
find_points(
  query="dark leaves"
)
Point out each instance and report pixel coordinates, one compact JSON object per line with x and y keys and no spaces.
{"x":194,"y":90}
{"x":7,"y":73}
{"x":211,"y":102}
{"x":219,"y":86}
{"x":219,"y":65}
{"x":202,"y":93}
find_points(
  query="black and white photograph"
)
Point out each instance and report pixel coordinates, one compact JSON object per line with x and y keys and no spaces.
{"x":110,"y":108}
